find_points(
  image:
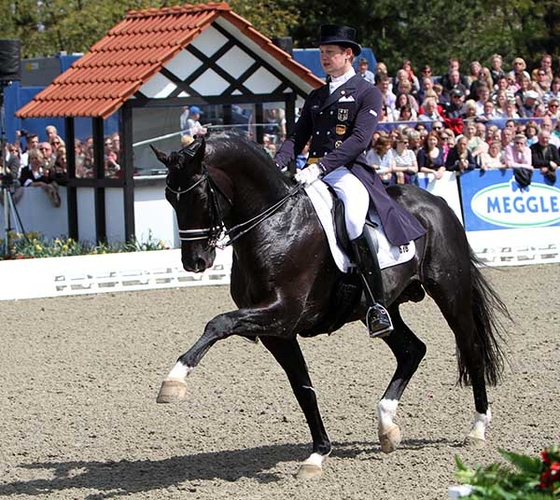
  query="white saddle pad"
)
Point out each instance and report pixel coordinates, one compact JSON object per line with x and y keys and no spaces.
{"x":388,"y":254}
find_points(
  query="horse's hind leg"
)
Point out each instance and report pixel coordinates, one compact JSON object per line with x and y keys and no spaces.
{"x":288,"y":353}
{"x":408,"y":350}
{"x":467,"y":313}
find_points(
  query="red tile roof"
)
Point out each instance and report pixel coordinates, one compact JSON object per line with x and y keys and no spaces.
{"x":131,"y":53}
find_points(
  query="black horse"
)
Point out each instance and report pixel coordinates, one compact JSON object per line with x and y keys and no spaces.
{"x":285,"y":281}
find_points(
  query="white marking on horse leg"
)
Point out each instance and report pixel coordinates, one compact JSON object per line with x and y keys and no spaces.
{"x":386,"y":411}
{"x":308,"y":387}
{"x":312,"y":467}
{"x":179,"y":372}
{"x":389,"y":433}
{"x":480,"y":424}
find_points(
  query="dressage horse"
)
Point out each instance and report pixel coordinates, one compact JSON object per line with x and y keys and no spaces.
{"x":285,"y":282}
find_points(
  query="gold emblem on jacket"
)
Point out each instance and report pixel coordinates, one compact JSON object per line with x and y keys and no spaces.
{"x":340,"y":129}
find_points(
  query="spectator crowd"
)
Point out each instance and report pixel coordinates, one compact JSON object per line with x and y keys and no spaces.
{"x":489,"y":118}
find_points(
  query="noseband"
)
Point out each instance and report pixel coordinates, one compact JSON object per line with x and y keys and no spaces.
{"x":209,"y":233}
{"x":212,"y":234}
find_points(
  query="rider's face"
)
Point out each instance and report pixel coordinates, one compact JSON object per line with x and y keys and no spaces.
{"x":335,"y":60}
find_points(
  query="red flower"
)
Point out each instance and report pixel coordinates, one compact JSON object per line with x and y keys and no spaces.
{"x":545,"y":457}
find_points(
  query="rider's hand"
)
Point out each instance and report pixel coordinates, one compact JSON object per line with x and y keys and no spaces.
{"x":308,"y":175}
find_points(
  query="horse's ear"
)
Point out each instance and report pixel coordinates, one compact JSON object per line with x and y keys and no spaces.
{"x":196,"y":148}
{"x":160,"y":155}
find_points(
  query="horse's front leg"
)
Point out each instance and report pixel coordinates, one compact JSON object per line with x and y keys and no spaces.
{"x":248,"y":322}
{"x":288,"y":353}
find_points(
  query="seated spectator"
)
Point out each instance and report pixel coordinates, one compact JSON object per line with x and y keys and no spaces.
{"x":426,"y":72}
{"x":531,"y":132}
{"x":425,"y":85}
{"x":496,"y":70}
{"x":59,"y":172}
{"x":542,"y":75}
{"x":482,"y":97}
{"x":51,"y":132}
{"x":456,"y":107}
{"x":453,"y":78}
{"x":518,"y":71}
{"x":406,"y":165}
{"x":55,"y":142}
{"x":530,"y":104}
{"x":193,"y":123}
{"x":36,"y":174}
{"x":546,"y":124}
{"x":363,"y":70}
{"x":48,"y":155}
{"x":389,"y":97}
{"x":431,"y":157}
{"x":475,"y":144}
{"x":415,"y":138}
{"x":502,"y":87}
{"x":506,"y":137}
{"x":542,"y":85}
{"x":493,"y":159}
{"x":403,"y":98}
{"x":554,"y":92}
{"x":511,"y":109}
{"x":518,"y":154}
{"x":379,"y":157}
{"x":545,"y":157}
{"x":460,"y":159}
{"x":493,"y":133}
{"x":470,"y":110}
{"x":429,"y":111}
{"x":525,"y":86}
{"x":412,"y":78}
{"x":406,"y":114}
{"x":404,"y":87}
{"x":488,"y":112}
{"x":500,"y":101}
{"x":446,"y":140}
{"x":553,"y":108}
{"x":483,"y":79}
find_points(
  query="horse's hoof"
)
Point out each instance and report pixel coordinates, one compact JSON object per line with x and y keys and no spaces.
{"x":309,"y":471}
{"x":390,"y":439}
{"x":172,"y":391}
{"x":475,"y":442}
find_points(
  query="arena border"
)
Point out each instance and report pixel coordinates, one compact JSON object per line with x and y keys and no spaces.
{"x":91,"y":274}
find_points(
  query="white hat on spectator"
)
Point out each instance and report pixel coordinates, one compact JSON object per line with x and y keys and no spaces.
{"x":531,"y":94}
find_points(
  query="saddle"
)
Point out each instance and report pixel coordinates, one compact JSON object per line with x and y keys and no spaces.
{"x":330,"y":211}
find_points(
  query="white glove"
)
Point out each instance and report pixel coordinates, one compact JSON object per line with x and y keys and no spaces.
{"x":308,"y":175}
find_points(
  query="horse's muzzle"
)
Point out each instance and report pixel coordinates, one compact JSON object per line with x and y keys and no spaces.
{"x":195,"y":262}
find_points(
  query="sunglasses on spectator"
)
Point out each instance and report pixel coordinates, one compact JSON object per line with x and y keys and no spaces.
{"x":56,"y":142}
{"x":553,"y":105}
{"x":437,"y":128}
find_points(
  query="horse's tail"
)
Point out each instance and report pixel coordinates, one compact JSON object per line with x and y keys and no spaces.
{"x":487,"y":307}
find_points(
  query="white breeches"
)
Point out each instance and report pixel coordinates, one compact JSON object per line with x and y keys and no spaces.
{"x":355,"y":197}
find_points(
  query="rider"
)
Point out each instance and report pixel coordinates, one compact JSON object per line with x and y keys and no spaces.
{"x":339,"y":119}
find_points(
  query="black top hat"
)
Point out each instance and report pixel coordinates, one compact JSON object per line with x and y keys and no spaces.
{"x":345,"y":36}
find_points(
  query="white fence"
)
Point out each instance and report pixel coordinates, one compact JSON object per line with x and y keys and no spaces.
{"x":59,"y":276}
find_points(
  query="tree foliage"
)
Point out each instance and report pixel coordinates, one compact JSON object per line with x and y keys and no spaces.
{"x":424,"y":31}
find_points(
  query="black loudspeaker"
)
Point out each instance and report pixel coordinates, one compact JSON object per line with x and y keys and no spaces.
{"x":284,"y":42}
{"x":10,"y":61}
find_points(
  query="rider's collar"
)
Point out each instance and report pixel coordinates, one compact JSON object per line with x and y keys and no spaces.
{"x":339,"y":80}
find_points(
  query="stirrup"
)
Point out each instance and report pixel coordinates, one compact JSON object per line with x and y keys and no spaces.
{"x":378,"y":322}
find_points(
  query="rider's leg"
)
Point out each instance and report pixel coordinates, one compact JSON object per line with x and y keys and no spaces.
{"x":356,"y":204}
{"x":378,"y":320}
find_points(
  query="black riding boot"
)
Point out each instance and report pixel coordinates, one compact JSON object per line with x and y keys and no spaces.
{"x":378,"y":320}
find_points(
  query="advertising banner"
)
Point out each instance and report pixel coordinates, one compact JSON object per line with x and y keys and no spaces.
{"x":493,"y":200}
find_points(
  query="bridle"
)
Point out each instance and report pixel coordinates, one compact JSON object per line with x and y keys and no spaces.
{"x":217,"y":227}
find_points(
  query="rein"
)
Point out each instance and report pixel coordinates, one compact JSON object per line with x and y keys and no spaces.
{"x":235,"y":232}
